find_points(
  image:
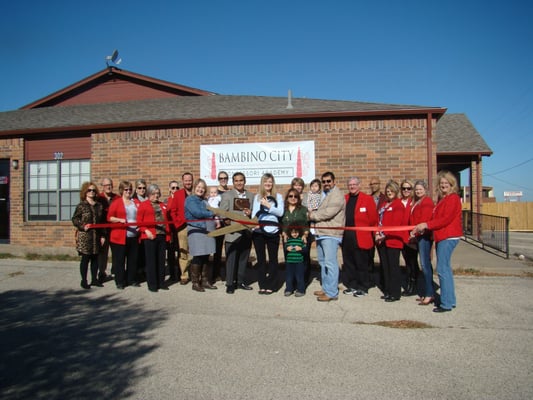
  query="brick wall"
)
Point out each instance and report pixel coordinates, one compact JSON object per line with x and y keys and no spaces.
{"x":391,"y":148}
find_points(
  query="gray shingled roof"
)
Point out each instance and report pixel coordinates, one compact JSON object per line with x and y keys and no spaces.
{"x":183,"y":109}
{"x":456,"y":134}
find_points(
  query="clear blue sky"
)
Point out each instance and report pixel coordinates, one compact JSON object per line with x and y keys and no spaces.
{"x":472,"y":57}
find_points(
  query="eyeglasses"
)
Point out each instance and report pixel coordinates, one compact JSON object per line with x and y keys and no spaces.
{"x":141,"y":187}
{"x":108,"y":185}
{"x":326,"y":180}
{"x":128,"y":190}
{"x":173,"y":188}
{"x":155,"y":194}
{"x":91,"y":190}
{"x":223,"y":178}
{"x":292,"y":196}
{"x":407,"y":188}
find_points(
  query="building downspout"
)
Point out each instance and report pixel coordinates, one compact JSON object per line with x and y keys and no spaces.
{"x":429,"y":147}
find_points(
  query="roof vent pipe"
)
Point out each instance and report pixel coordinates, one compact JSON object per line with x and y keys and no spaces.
{"x":289,"y":103}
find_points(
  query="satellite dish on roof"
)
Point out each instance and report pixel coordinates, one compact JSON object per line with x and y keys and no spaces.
{"x":113,"y":58}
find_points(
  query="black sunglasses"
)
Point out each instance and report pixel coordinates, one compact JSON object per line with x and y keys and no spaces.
{"x":326,"y":180}
{"x":91,"y":190}
{"x":407,"y":188}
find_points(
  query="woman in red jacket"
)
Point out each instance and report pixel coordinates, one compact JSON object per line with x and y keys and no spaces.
{"x":153,"y":225}
{"x":390,"y":243}
{"x":124,"y":239}
{"x":409,"y":251}
{"x":447,"y":227}
{"x":421,"y":211}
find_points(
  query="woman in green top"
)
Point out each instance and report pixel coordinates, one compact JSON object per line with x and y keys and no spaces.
{"x":294,"y":216}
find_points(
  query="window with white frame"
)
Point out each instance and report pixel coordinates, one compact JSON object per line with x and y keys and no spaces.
{"x":54,"y":188}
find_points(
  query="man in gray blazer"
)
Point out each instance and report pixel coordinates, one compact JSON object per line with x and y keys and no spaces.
{"x":237,"y":244}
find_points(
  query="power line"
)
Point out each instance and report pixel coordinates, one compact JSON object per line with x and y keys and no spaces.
{"x":511,"y":184}
{"x":510,"y":168}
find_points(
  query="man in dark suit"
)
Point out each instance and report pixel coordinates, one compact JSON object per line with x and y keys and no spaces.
{"x":237,"y":244}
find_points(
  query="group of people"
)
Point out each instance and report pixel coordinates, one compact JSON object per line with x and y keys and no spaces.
{"x":146,"y":235}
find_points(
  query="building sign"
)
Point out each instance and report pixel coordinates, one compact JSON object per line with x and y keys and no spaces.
{"x":284,"y":160}
{"x":512,"y":194}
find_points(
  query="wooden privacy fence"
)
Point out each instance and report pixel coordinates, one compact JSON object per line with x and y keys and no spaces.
{"x":520,"y":214}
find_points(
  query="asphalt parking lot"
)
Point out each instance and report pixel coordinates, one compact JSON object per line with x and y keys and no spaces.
{"x":58,"y":341}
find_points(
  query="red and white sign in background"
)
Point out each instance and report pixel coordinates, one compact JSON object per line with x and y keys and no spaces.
{"x":284,"y":160}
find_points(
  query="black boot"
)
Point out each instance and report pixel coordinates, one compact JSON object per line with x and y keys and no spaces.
{"x":411,"y":288}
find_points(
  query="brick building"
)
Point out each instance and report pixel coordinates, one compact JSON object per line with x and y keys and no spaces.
{"x":124,"y":125}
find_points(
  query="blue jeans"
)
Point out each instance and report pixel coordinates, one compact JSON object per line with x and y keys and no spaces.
{"x":444,"y":270}
{"x":424,"y":249}
{"x":295,"y":272}
{"x":329,"y":266}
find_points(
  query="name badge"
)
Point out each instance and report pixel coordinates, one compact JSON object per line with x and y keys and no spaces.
{"x":362,"y":209}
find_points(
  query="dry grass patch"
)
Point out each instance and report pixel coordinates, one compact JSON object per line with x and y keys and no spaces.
{"x":400,"y":324}
{"x":50,"y":257}
{"x":477,"y":272}
{"x":467,"y":272}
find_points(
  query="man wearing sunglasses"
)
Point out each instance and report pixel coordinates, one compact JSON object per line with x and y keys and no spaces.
{"x":328,"y":218}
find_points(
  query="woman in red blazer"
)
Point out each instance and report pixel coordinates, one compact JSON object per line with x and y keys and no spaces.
{"x":124,"y":240}
{"x":421,"y":211}
{"x":409,"y":251}
{"x":447,"y":227}
{"x":153,"y":225}
{"x":357,"y":245}
{"x":390,"y":243}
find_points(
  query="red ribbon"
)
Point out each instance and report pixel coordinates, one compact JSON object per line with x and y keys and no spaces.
{"x":249,"y":222}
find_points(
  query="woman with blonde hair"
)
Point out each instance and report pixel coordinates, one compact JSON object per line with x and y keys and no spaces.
{"x":390,"y":243}
{"x":447,"y":227}
{"x":200,"y":223}
{"x":421,"y":211}
{"x":268,"y":208}
{"x":124,"y":240}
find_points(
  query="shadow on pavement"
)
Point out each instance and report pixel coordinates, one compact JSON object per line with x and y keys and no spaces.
{"x":65,"y":345}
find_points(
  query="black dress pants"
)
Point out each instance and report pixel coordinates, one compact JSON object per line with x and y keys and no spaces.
{"x":355,"y":262}
{"x":155,"y":261}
